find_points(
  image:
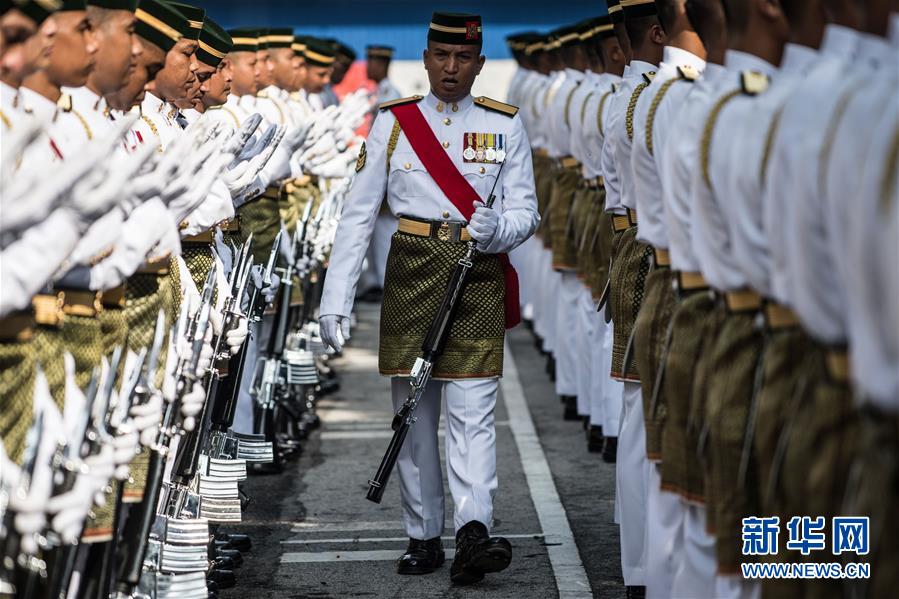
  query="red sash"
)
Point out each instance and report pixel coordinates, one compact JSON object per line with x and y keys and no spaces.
{"x":455,"y":186}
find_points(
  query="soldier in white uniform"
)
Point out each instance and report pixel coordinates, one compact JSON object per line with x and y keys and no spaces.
{"x":479,"y":135}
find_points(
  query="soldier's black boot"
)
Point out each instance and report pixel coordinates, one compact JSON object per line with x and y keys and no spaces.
{"x":595,"y":439}
{"x":477,"y":554}
{"x":610,"y":450}
{"x":421,"y":557}
{"x":570,"y":412}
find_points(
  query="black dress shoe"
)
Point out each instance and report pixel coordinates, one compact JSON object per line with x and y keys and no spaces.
{"x":421,"y":557}
{"x":551,"y":367}
{"x":595,"y":439}
{"x":224,"y":579}
{"x":222,"y":563}
{"x":233,"y":554}
{"x":570,"y":412}
{"x":610,"y":450}
{"x":477,"y":554}
{"x":237,"y":541}
{"x":636,"y":592}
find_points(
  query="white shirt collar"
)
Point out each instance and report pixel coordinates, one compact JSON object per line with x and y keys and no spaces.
{"x":679,"y":57}
{"x":873,"y":49}
{"x":85,"y":99}
{"x":713,"y":71}
{"x":638,"y":67}
{"x":797,"y":58}
{"x":439,"y":105}
{"x":736,"y":60}
{"x":37,"y":104}
{"x":839,"y":41}
{"x":894,"y":29}
{"x":574,"y":74}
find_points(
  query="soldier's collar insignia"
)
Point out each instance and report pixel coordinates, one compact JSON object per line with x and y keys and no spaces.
{"x":648,"y":77}
{"x":688,"y":72}
{"x":753,"y":82}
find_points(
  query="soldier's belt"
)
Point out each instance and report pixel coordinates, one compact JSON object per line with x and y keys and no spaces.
{"x":595,"y":182}
{"x":18,"y":326}
{"x":569,"y":162}
{"x":203,"y":238}
{"x":837,"y":361}
{"x":154,"y":267}
{"x":778,"y":316}
{"x":738,"y":302}
{"x":50,"y":310}
{"x":632,"y":216}
{"x":272,"y":192}
{"x":542,"y":152}
{"x":435,"y":229}
{"x":291,"y":185}
{"x":661,"y":258}
{"x":620,"y":223}
{"x":113,"y":298}
{"x":691,"y":281}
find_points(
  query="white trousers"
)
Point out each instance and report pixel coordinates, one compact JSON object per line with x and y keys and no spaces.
{"x":470,"y":455}
{"x":632,"y":479}
{"x":695,"y":575}
{"x":585,"y":334}
{"x":613,"y":391}
{"x":664,"y":536}
{"x":566,"y":351}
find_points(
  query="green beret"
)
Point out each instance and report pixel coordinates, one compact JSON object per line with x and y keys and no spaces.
{"x":215,"y":43}
{"x":194,"y":18}
{"x":279,"y":37}
{"x":129,"y":5}
{"x":319,"y":53}
{"x":159,"y":23}
{"x":244,"y":39}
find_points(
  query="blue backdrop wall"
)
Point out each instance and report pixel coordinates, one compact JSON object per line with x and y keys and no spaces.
{"x":400,"y":23}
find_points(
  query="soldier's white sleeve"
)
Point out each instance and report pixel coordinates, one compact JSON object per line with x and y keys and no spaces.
{"x":214,"y":209}
{"x":32,"y":260}
{"x":519,"y":204}
{"x":140,"y":233}
{"x":607,"y":160}
{"x":357,"y":223}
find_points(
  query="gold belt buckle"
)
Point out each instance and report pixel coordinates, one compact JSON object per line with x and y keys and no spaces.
{"x":443,"y":233}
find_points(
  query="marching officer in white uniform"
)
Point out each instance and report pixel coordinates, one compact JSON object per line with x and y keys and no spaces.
{"x":480,"y":137}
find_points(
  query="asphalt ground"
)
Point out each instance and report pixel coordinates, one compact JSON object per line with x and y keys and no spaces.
{"x":315,"y":535}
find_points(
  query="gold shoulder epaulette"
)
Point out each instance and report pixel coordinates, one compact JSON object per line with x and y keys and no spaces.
{"x":491,"y":104}
{"x":753,"y":82}
{"x":648,"y":77}
{"x":392,"y":103}
{"x":688,"y":72}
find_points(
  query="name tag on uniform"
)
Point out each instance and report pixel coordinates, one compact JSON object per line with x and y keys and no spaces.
{"x":487,"y":148}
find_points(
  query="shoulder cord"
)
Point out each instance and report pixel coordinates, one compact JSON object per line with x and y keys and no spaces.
{"x":706,"y":143}
{"x":629,"y":116}
{"x":653,"y":108}
{"x":599,"y":111}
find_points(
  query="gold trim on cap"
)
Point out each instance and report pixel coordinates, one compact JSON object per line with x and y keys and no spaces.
{"x":298,"y":47}
{"x":615,"y":8}
{"x":446,"y":29}
{"x":245,"y":40}
{"x":567,"y":38}
{"x":49,"y":5}
{"x":278,"y":38}
{"x":210,"y":50}
{"x":195,"y":24}
{"x":628,"y":3}
{"x":158,"y":25}
{"x":381,"y":53}
{"x":318,"y":57}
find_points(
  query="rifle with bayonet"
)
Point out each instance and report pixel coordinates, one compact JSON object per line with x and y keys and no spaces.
{"x":96,"y":435}
{"x":17,"y":568}
{"x":221,"y":414}
{"x":432,"y":348}
{"x":186,"y":376}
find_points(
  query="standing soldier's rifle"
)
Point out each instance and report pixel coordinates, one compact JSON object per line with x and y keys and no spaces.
{"x":97,"y":433}
{"x":432,"y":349}
{"x":136,"y":535}
{"x":221,"y":413}
{"x":14,"y":560}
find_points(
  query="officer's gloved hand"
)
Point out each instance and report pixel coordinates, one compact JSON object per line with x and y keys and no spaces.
{"x":336,"y":168}
{"x":15,"y":142}
{"x":483,"y":225}
{"x":71,"y":508}
{"x":145,"y":418}
{"x":296,"y":136}
{"x":29,"y":506}
{"x":240,"y":176}
{"x":203,"y":182}
{"x":334,"y":330}
{"x":192,"y":405}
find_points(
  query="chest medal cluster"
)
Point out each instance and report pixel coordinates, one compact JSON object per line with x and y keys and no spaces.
{"x":485,"y":148}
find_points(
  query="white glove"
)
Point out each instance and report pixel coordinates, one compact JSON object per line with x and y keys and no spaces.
{"x":235,"y":337}
{"x":244,"y":137}
{"x":296,"y":136}
{"x":145,"y":419}
{"x":269,"y":292}
{"x":72,"y":507}
{"x":335,"y":330}
{"x":29,"y":507}
{"x":124,"y":446}
{"x":483,"y":225}
{"x":191,"y":405}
